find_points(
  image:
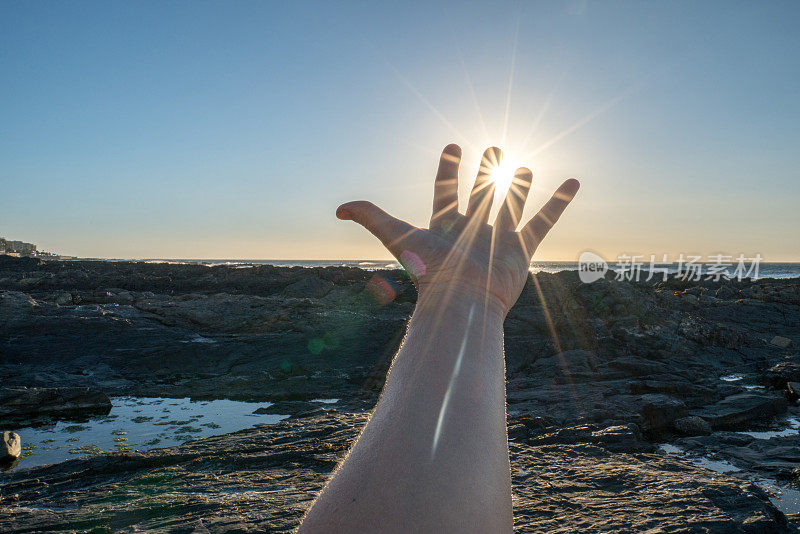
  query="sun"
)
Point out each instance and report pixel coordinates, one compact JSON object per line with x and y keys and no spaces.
{"x":502,"y":175}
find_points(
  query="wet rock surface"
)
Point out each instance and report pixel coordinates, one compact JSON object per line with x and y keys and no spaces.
{"x":23,"y":403}
{"x":263,"y":479}
{"x":603,"y":372}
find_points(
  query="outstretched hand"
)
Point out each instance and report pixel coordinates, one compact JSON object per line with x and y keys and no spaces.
{"x":463,"y":254}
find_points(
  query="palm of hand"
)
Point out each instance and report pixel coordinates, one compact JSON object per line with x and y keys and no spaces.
{"x":465,"y":257}
{"x":464,"y":253}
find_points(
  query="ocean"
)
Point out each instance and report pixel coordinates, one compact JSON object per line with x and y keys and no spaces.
{"x":765,"y":269}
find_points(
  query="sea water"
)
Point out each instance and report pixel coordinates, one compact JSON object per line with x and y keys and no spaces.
{"x":138,"y":424}
{"x":766,"y":269}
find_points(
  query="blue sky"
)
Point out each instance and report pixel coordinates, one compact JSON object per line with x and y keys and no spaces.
{"x":233,"y":130}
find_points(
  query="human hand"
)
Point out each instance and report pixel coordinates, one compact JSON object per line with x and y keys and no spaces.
{"x":463,"y":255}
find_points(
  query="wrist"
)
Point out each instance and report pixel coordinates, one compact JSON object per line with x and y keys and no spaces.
{"x":456,"y":300}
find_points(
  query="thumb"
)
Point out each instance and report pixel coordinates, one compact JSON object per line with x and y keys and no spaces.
{"x":391,"y":231}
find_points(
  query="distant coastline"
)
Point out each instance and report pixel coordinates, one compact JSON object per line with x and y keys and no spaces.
{"x":766,"y":269}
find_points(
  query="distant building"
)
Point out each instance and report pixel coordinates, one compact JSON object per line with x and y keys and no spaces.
{"x":20,"y":247}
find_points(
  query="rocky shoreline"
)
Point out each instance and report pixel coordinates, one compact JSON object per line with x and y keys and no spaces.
{"x":599,"y":376}
{"x":263,"y":479}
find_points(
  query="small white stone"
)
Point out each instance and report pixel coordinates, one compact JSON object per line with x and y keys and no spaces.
{"x":11,"y":447}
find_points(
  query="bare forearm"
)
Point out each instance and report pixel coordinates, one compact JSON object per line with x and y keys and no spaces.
{"x":434,"y":454}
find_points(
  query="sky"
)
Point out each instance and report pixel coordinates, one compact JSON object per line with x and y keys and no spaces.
{"x":234,"y":129}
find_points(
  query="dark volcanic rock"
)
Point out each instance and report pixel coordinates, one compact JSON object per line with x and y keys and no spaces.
{"x":16,"y":403}
{"x":568,"y":366}
{"x":263,"y":479}
{"x":782,"y":342}
{"x":737,"y":411}
{"x":618,"y":492}
{"x":692,"y":426}
{"x":782,"y":373}
{"x":660,"y":411}
{"x":309,"y":287}
{"x":618,"y":438}
{"x":291,"y":408}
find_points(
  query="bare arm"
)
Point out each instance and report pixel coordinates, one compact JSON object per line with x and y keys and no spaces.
{"x":434,"y":455}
